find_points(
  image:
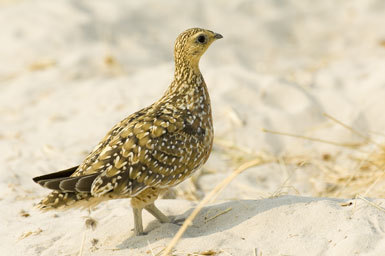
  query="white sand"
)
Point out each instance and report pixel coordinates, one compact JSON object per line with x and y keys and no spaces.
{"x":280,"y":66}
{"x":287,"y":225}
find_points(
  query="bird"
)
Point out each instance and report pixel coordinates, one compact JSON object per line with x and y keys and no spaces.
{"x":149,"y":151}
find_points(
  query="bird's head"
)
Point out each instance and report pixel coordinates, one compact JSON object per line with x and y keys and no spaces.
{"x":191,"y":44}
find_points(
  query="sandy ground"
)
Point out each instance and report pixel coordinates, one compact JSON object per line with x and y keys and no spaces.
{"x":69,"y":70}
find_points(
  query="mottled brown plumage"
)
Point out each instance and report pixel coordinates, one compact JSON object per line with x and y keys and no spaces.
{"x":150,"y":150}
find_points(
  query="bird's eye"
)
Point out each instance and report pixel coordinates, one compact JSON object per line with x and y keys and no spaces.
{"x":201,"y":39}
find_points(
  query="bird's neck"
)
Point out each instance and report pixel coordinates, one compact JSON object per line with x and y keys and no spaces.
{"x":187,"y":74}
{"x":189,"y":89}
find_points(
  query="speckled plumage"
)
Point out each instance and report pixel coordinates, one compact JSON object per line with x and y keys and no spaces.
{"x":150,"y":150}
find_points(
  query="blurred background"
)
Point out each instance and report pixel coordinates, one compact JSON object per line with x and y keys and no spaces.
{"x":69,"y":70}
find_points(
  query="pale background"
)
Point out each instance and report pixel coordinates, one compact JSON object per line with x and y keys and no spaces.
{"x":69,"y":70}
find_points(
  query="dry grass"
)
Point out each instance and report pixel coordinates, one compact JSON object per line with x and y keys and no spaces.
{"x":359,"y":168}
{"x":366,"y":177}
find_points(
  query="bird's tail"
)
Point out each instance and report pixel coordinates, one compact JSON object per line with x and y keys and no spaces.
{"x":62,"y":200}
{"x":69,"y":191}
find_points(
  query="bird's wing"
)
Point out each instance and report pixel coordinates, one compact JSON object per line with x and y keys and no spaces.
{"x":80,"y":178}
{"x":154,"y":150}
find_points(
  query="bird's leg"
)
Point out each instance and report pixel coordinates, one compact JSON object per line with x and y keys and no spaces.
{"x":138,"y":224}
{"x":151,"y":208}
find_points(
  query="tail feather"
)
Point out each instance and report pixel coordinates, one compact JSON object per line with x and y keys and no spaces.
{"x":55,"y":175}
{"x":69,"y":191}
{"x":64,"y":182}
{"x":84,"y":184}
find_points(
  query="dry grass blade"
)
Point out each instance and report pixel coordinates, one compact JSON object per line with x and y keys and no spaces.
{"x":379,"y":178}
{"x":218,"y":214}
{"x":231,"y":146}
{"x":82,"y":244}
{"x":257,"y":252}
{"x":205,"y":200}
{"x":340,"y":144}
{"x":368,"y":139}
{"x":42,"y":64}
{"x":29,"y":233}
{"x":204,"y":253}
{"x":149,"y":246}
{"x":371,"y":203}
{"x":279,"y":191}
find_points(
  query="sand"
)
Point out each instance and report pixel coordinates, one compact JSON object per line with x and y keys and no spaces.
{"x":288,"y":225}
{"x":69,"y":70}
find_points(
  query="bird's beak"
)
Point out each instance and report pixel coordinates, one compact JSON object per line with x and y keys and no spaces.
{"x":218,"y":36}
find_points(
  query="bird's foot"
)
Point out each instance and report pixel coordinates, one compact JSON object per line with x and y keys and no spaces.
{"x":140,"y":233}
{"x":177,"y":221}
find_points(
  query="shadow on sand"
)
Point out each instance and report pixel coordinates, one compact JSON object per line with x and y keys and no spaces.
{"x":210,"y":220}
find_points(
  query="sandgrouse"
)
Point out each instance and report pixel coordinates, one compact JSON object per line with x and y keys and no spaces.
{"x":150,"y":150}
